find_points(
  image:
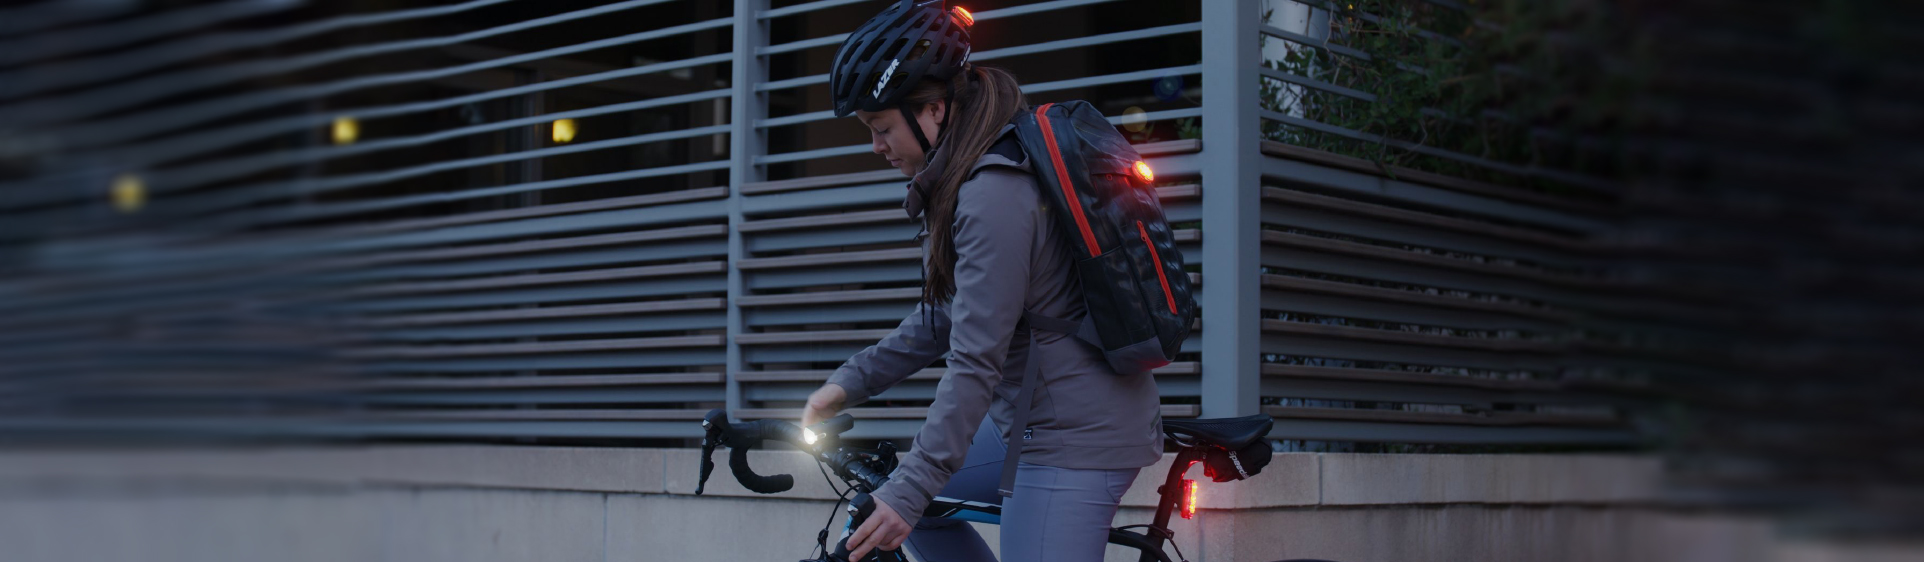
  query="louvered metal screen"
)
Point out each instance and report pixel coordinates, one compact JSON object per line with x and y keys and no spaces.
{"x":503,"y":219}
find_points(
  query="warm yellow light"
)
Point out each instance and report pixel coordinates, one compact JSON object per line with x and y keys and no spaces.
{"x":564,"y":130}
{"x":964,"y":16}
{"x":129,"y":193}
{"x":346,"y":130}
{"x":1142,"y":169}
{"x":1135,"y":119}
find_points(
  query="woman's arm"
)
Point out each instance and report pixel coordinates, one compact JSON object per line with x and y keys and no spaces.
{"x":921,"y":338}
{"x":995,"y":222}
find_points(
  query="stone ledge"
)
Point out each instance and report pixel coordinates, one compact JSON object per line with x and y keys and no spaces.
{"x":1291,"y":480}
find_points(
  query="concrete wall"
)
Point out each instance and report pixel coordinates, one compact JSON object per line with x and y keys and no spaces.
{"x":475,"y":504}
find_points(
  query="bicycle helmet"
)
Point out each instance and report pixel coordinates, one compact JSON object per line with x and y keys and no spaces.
{"x":889,"y":54}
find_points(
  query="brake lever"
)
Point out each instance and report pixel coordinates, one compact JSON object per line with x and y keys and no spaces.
{"x":711,"y":437}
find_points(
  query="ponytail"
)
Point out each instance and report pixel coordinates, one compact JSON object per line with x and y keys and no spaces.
{"x":986,"y":98}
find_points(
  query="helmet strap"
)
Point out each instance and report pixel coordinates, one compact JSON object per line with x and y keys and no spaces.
{"x":915,"y":126}
{"x":948,"y":108}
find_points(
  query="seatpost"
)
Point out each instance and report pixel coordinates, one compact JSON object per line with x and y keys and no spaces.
{"x":1171,"y":493}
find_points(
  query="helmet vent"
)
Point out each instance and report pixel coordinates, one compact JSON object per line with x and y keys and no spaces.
{"x":916,"y":53}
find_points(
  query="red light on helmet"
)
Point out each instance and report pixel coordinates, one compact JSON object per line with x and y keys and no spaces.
{"x":963,"y":16}
{"x":1142,"y":169}
{"x":1189,"y":490}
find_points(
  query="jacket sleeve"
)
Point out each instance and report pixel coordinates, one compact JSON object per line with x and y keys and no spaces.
{"x":995,"y":222}
{"x":921,"y":338}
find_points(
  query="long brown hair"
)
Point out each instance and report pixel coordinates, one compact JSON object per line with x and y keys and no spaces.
{"x":986,"y":98}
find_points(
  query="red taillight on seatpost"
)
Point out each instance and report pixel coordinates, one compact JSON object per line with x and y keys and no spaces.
{"x":1189,"y":489}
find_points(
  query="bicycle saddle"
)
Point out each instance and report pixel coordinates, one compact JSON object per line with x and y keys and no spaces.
{"x":1228,"y":433}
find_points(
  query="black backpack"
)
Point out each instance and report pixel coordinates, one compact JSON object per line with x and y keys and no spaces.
{"x":1133,"y":283}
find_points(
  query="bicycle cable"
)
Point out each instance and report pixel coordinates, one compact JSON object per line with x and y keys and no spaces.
{"x":821,"y":538}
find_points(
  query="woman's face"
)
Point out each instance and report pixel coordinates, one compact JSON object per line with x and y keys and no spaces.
{"x":890,"y":138}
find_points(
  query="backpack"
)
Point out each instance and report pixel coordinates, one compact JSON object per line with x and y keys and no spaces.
{"x":1133,"y":283}
{"x":1138,"y":298}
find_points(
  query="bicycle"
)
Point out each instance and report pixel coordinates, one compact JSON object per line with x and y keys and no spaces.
{"x":865,"y":470}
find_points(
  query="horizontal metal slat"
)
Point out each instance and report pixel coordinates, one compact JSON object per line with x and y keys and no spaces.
{"x":551,"y":244}
{"x":1314,"y":84}
{"x":835,"y":180}
{"x":830,"y":220}
{"x":317,"y":211}
{"x":656,"y":322}
{"x":792,"y":278}
{"x":429,"y":351}
{"x":821,"y":336}
{"x":1507,"y":233}
{"x":546,"y":381}
{"x":699,"y":248}
{"x":577,"y":207}
{"x":537,"y":279}
{"x":827,"y":259}
{"x":1168,"y":411}
{"x":92,"y":70}
{"x":204,"y":173}
{"x":145,"y":124}
{"x":249,"y":194}
{"x":1354,"y":164}
{"x":1283,"y":285}
{"x":1323,"y":43}
{"x":1338,"y":344}
{"x":826,"y":297}
{"x":571,"y":414}
{"x":571,"y":397}
{"x":1410,"y":338}
{"x":984,"y":15}
{"x":804,"y":8}
{"x":849,"y":312}
{"x":1532,"y":171}
{"x":671,"y":357}
{"x":1035,"y":88}
{"x":1398,"y":416}
{"x":544,"y":312}
{"x":1176,"y":369}
{"x":1271,"y":237}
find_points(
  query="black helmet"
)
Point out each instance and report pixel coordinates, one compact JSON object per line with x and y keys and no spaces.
{"x":890,"y":53}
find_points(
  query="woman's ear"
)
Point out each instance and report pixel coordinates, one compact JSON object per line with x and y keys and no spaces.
{"x":935,"y":110}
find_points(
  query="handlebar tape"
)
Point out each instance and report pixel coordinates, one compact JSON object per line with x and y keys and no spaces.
{"x":751,"y":435}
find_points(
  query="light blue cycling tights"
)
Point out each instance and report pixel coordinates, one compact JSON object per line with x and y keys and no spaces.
{"x":1056,"y":514}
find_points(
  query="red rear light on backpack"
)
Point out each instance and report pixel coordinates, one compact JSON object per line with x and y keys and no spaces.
{"x":1189,"y":489}
{"x":1142,"y":169}
{"x":964,"y":17}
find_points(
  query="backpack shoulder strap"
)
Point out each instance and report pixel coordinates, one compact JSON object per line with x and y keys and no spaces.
{"x":1031,"y":378}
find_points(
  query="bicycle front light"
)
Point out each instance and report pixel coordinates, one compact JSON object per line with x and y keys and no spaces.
{"x":809,"y":436}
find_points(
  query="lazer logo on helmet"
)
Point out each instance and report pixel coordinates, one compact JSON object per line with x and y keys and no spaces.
{"x":884,"y":80}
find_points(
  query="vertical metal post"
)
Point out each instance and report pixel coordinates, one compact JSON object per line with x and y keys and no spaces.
{"x":744,"y":144}
{"x":1231,"y":204}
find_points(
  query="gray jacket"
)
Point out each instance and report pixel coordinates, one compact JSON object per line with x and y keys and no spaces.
{"x":1009,"y":258}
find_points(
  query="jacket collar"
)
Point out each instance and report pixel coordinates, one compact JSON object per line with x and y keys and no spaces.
{"x":924,"y":181}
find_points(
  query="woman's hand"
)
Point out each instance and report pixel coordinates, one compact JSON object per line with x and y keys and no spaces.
{"x":823,"y":404}
{"x":883,"y":529}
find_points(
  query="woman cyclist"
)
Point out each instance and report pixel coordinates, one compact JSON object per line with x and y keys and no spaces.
{"x":991,"y":253}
